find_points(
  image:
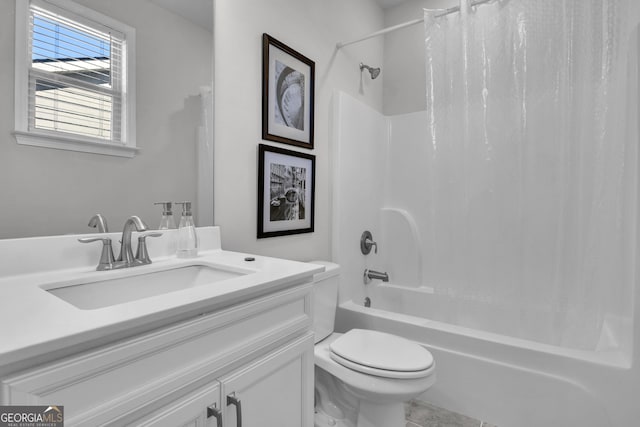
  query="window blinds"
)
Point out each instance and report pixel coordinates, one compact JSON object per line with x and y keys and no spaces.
{"x":76,"y":75}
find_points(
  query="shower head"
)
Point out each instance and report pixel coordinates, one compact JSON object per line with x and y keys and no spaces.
{"x":375,"y":72}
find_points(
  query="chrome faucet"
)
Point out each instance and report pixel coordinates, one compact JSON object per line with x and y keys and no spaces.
{"x":126,"y":253}
{"x":369,"y":275}
{"x":99,"y":222}
{"x":126,"y":258}
{"x":107,"y":262}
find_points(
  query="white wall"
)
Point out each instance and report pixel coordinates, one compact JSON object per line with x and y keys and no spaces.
{"x":312,"y":28}
{"x":45,"y":191}
{"x":404,"y":57}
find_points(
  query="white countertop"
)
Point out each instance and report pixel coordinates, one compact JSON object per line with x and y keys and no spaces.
{"x":34,"y":322}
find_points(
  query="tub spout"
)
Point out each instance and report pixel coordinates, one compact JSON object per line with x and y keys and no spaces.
{"x":369,"y":275}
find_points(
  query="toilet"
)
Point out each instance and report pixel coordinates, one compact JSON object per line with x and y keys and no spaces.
{"x":362,"y":377}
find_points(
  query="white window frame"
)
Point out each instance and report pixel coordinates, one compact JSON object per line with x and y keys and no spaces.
{"x":126,"y":147}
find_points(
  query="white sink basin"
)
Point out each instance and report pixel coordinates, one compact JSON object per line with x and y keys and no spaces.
{"x":92,"y":294}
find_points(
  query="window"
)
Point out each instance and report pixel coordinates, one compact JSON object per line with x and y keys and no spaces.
{"x":74,"y":79}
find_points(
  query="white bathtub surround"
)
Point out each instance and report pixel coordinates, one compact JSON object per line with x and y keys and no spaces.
{"x":413,"y":302}
{"x":401,"y":223}
{"x":511,"y":381}
{"x":513,"y":262}
{"x":529,"y":197}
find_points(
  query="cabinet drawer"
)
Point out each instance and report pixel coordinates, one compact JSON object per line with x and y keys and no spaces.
{"x":119,"y":378}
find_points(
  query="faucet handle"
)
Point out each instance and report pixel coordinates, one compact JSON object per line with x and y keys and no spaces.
{"x":366,"y":242}
{"x":107,"y":260}
{"x":370,"y":243}
{"x":141,"y":254}
{"x":99,"y":222}
{"x":95,"y":239}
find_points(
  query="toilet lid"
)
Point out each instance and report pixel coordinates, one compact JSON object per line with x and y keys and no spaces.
{"x":370,"y":351}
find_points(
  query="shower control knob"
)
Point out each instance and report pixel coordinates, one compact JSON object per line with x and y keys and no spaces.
{"x":366,"y":242}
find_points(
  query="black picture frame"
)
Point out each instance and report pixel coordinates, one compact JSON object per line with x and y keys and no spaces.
{"x":286,"y":191}
{"x":288,"y":86}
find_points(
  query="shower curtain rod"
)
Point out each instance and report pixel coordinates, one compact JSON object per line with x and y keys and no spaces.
{"x":405,"y":25}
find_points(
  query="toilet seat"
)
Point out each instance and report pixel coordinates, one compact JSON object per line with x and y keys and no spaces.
{"x":373,"y":388}
{"x":380,"y":354}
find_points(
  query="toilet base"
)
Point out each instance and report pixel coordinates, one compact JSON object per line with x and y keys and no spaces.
{"x":337,"y":406}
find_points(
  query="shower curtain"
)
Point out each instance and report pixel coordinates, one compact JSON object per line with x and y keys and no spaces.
{"x":533,"y":162}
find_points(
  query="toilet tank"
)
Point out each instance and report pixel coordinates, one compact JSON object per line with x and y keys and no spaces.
{"x":325,"y":299}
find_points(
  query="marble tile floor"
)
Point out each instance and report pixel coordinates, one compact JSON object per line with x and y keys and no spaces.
{"x":422,"y":414}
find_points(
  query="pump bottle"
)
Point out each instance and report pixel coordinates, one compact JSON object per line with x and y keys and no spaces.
{"x":187,"y":237}
{"x":167,"y":222}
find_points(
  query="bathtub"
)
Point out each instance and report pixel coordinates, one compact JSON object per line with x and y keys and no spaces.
{"x":508,"y":381}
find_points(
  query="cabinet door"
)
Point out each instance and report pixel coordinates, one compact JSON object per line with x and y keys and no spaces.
{"x":196,"y":409}
{"x":274,"y":391}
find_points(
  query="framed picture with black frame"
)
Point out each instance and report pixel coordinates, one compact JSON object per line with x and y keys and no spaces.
{"x":286,"y":191}
{"x":288,"y":81}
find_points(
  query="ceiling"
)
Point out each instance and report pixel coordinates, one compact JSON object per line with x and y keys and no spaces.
{"x":201,"y":11}
{"x":198,"y":11}
{"x":389,"y":3}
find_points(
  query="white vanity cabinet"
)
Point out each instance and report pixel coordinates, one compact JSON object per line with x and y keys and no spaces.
{"x":272,"y":391}
{"x":191,"y":410}
{"x":269,"y":392}
{"x":258,"y":351}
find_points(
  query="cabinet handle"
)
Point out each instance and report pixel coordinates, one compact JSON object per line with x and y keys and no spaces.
{"x":213,"y":411}
{"x":233,"y":400}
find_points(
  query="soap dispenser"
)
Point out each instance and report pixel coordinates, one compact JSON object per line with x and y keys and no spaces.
{"x":167,"y":222}
{"x":187,"y":238}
